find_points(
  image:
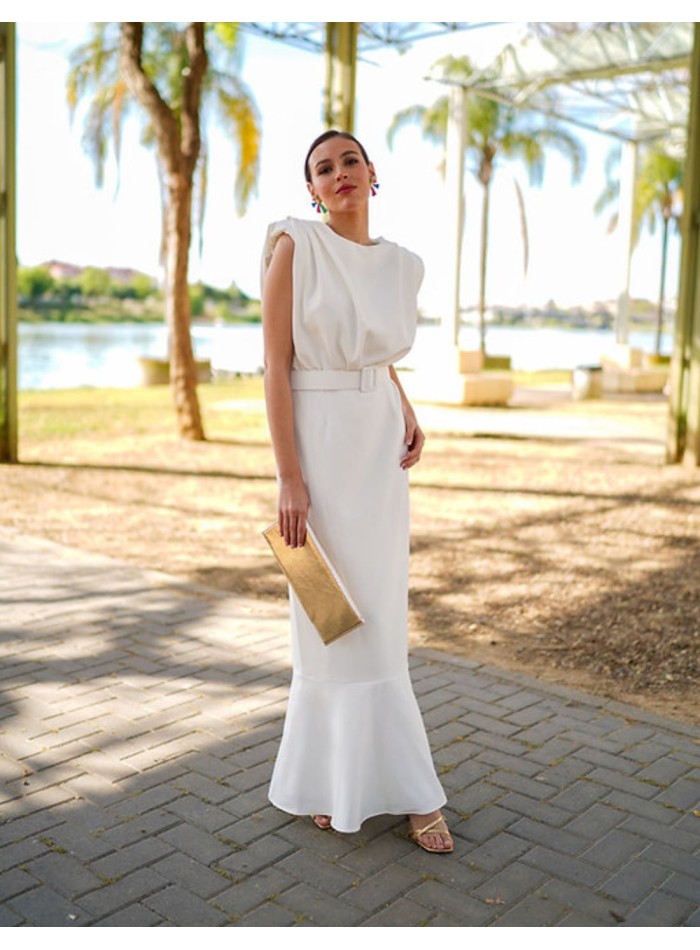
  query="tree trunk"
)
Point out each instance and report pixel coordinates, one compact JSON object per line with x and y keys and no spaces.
{"x":482,"y":267}
{"x":178,"y":141}
{"x":662,"y":287}
{"x":183,"y":376}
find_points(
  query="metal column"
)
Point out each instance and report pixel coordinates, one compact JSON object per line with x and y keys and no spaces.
{"x":628,"y":174}
{"x":683,"y":439}
{"x":454,"y":224}
{"x":341,"y":62}
{"x":8,"y":260}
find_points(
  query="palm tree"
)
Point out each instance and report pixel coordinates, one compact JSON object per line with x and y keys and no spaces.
{"x":493,"y":130}
{"x":658,"y":195}
{"x":173,"y":72}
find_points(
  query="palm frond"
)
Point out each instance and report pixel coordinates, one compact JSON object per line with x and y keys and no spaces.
{"x":523,"y":225}
{"x":411,"y":115}
{"x":241,"y":122}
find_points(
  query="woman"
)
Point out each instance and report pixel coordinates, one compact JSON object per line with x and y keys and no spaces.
{"x":338,"y":309}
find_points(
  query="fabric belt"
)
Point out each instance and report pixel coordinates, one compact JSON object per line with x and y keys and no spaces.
{"x":366,"y":380}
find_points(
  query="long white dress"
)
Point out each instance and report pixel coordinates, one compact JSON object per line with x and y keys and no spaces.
{"x":354,"y":744}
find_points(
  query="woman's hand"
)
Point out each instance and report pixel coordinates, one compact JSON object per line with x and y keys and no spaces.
{"x":415,"y":438}
{"x":293,"y":510}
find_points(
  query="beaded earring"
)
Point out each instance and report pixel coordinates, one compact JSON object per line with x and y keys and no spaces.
{"x":374,"y":187}
{"x":318,"y":205}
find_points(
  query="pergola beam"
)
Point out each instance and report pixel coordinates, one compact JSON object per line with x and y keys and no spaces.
{"x":608,"y":71}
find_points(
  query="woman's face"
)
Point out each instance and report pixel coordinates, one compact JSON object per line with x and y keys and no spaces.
{"x":340,"y":177}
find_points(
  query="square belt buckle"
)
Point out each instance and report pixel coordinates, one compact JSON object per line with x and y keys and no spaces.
{"x":368,"y":379}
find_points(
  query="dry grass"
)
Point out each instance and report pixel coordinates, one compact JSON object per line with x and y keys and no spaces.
{"x":548,"y":538}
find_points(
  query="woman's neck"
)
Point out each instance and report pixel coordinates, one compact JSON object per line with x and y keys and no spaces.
{"x":353,"y":226}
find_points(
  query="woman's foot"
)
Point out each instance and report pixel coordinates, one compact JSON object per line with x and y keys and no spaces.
{"x":430,"y":833}
{"x":322,"y":821}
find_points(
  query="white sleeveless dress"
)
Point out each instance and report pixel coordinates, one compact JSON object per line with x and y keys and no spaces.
{"x":354,"y":744}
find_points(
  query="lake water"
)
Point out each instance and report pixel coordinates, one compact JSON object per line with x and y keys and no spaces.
{"x":60,"y":356}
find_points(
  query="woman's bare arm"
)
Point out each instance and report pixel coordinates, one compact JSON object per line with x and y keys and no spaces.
{"x":415,"y":438}
{"x":293,"y":503}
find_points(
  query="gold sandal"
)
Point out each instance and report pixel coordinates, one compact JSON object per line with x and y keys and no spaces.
{"x":415,"y":836}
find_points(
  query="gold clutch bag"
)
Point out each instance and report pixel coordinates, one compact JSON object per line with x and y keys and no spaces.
{"x":313,"y":579}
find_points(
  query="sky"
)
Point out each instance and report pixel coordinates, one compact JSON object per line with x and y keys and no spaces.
{"x":63,"y":215}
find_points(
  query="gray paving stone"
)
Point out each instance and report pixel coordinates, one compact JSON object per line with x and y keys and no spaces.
{"x":498,"y":852}
{"x":142,"y":853}
{"x":135,"y":915}
{"x":635,"y":881}
{"x":8,"y":918}
{"x":680,"y":840}
{"x":382,"y":888}
{"x":491,"y":725}
{"x":272,"y":914}
{"x":64,"y":874}
{"x":653,"y":811}
{"x":661,"y":910}
{"x":510,"y":885}
{"x":534,"y":788}
{"x":532,"y":911}
{"x":184,"y":909}
{"x":560,"y":840}
{"x":607,"y":760}
{"x":254,"y":826}
{"x":485,"y":823}
{"x":254,"y":857}
{"x":15,"y":882}
{"x":682,"y":794}
{"x":514,"y":763}
{"x":603,"y":907}
{"x":129,"y":832}
{"x":400,"y":913}
{"x":579,"y":796}
{"x":563,"y":866}
{"x":538,"y":811}
{"x":614,"y":849}
{"x":487,"y":740}
{"x":384,"y":852}
{"x":577,"y":920}
{"x":43,"y":907}
{"x":251,"y":892}
{"x":676,"y":860}
{"x":17,"y":853}
{"x":204,"y":815}
{"x":437,"y":896}
{"x":327,"y":875}
{"x":664,"y":771}
{"x":38,"y":823}
{"x":682,"y":886}
{"x":442,"y":920}
{"x":199,"y":844}
{"x":647,"y":752}
{"x":319,"y":907}
{"x":116,"y":895}
{"x":596,"y":821}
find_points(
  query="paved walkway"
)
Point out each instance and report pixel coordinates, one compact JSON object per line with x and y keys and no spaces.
{"x":141,"y":718}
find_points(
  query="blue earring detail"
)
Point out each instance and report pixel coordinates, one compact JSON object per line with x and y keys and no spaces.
{"x":318,"y":205}
{"x":374,"y":187}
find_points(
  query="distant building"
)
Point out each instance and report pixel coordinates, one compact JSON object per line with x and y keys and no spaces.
{"x":60,"y":270}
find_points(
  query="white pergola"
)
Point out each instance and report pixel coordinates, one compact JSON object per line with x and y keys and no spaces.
{"x":639,"y":83}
